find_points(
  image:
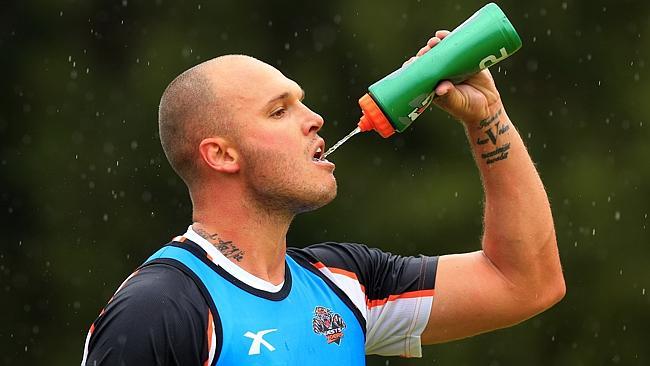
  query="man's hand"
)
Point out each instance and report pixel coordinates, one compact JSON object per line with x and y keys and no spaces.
{"x":471,"y":101}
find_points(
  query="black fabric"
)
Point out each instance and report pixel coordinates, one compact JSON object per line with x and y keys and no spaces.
{"x":159,"y":317}
{"x":216,"y":319}
{"x":381,"y":273}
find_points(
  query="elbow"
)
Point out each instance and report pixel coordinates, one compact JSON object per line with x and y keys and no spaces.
{"x":542,"y":297}
{"x":555,"y":292}
{"x":551,"y":287}
{"x":546,"y":282}
{"x":550,"y":292}
{"x":555,"y":286}
{"x":560,"y":288}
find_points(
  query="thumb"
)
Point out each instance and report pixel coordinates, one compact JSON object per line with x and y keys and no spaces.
{"x":449,"y":98}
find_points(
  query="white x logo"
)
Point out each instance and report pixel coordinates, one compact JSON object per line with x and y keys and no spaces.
{"x":259,"y":340}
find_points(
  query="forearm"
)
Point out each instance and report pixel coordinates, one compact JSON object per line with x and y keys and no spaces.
{"x":519,"y":236}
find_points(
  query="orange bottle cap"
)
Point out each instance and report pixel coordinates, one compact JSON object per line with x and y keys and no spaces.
{"x":373,"y":118}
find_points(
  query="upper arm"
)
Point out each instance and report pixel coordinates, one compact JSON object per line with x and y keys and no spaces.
{"x":472,"y":296}
{"x":158,"y":317}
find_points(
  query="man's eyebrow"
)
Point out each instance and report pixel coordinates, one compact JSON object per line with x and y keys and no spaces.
{"x":286,"y":95}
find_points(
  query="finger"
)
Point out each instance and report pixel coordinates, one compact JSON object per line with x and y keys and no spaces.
{"x":409,"y":61}
{"x":433,"y":41}
{"x":423,"y":50}
{"x":444,"y":87}
{"x":448,"y":97}
{"x":442,"y":33}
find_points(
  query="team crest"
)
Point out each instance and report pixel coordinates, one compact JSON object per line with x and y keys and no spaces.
{"x":329,"y":324}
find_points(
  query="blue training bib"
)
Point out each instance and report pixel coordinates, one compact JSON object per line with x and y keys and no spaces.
{"x":310,"y":326}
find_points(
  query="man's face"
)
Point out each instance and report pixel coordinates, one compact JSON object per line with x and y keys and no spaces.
{"x":278,"y":143}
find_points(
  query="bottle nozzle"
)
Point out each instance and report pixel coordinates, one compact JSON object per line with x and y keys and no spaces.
{"x":373,"y":118}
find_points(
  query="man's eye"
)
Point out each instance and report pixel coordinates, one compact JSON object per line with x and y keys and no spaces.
{"x":279,"y":113}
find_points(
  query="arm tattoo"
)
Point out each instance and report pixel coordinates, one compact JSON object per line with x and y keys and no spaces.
{"x":492,"y":132}
{"x":227,"y":248}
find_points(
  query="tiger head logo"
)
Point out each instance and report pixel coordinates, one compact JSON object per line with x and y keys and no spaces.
{"x":329,"y":324}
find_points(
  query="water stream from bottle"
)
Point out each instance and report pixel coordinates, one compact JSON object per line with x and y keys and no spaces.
{"x":341,"y":142}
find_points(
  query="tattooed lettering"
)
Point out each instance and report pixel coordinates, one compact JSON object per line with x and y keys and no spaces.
{"x":486,"y":122}
{"x":497,"y":154}
{"x":492,"y":132}
{"x":499,"y":150}
{"x":227,"y":248}
{"x":500,"y":157}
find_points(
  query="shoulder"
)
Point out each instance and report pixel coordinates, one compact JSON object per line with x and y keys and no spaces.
{"x":366,"y":262}
{"x":342,"y":254}
{"x":159,"y":312}
{"x":158,"y":291}
{"x":158,"y":283}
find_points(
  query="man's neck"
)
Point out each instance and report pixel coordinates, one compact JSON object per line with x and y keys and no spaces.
{"x":253,"y":239}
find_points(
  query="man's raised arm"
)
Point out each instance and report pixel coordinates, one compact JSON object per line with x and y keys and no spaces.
{"x":517,"y":274}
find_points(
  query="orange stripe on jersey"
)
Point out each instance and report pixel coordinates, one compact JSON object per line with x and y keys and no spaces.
{"x":340,"y":271}
{"x":182,"y":239}
{"x":209,"y":332}
{"x":406,"y":295}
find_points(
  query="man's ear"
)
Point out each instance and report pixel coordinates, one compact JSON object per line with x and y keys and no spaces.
{"x":219,"y":155}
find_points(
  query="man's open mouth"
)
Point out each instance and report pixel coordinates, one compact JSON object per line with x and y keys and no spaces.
{"x":318,"y":154}
{"x":318,"y":151}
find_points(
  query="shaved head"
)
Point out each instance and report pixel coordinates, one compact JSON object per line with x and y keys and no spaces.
{"x":194,"y":106}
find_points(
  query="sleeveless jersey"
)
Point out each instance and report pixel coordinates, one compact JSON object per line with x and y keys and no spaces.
{"x":307,"y":324}
{"x":189,"y":305}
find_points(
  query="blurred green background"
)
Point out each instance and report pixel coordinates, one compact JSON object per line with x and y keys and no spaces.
{"x":86,"y":193}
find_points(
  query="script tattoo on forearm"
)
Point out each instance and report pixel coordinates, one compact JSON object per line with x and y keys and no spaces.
{"x":492,"y":132}
{"x":227,"y":248}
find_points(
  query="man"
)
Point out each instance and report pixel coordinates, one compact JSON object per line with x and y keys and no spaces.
{"x":229,"y":292}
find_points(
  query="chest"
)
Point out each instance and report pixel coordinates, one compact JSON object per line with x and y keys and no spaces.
{"x":310,"y":326}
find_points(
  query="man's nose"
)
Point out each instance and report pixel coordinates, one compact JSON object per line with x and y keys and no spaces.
{"x":314,"y":122}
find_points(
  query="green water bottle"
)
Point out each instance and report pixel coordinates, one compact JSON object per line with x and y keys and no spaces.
{"x":395,"y":101}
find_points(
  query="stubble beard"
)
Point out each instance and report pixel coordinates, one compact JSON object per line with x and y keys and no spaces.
{"x":278,"y":187}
